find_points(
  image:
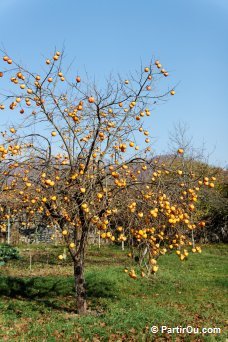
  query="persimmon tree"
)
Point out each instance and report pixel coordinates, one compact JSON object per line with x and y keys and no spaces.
{"x":74,"y":158}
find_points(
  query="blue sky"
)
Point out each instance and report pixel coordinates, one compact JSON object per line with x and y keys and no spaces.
{"x":188,"y":37}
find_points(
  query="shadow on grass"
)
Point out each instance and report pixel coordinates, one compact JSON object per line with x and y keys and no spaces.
{"x":98,"y":286}
{"x":36,"y":287}
{"x":41,"y":290}
{"x":55,"y":292}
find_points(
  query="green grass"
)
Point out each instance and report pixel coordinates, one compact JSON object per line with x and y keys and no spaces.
{"x":39,"y":304}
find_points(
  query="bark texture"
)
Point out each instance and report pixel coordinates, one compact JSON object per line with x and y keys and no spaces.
{"x":80,"y":289}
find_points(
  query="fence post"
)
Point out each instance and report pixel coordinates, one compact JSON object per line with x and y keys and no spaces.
{"x":99,"y":240}
{"x":8,"y":227}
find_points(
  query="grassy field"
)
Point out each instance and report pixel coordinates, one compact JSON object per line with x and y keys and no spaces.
{"x":37,"y":303}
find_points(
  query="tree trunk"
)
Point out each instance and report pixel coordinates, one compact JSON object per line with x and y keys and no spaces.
{"x":79,"y":281}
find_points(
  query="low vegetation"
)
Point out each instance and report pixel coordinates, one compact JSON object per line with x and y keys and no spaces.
{"x":7,"y":253}
{"x":37,"y":297}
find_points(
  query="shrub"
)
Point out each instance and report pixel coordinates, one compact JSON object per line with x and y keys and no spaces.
{"x":7,"y":252}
